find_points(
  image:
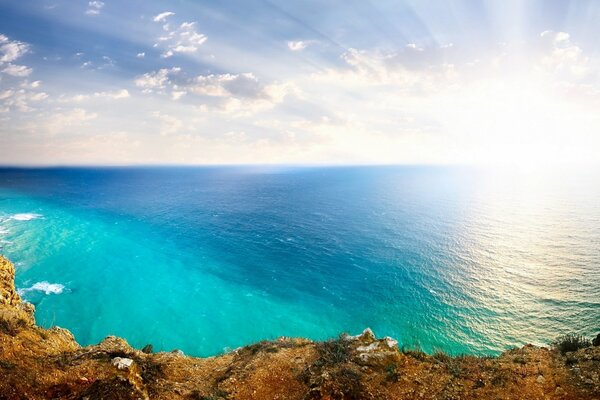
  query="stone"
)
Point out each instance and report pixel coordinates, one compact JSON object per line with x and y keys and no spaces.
{"x":122,"y":362}
{"x":390,"y":342}
{"x":541,"y":380}
{"x":369,"y":348}
{"x":367,"y":336}
{"x":148,"y":349}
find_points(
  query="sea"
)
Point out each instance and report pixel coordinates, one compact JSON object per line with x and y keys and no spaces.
{"x":207,"y":259}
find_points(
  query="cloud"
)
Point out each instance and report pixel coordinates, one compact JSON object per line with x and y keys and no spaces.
{"x":110,"y":95}
{"x":94,"y":7}
{"x":298,"y":45}
{"x":103,"y":62}
{"x":17,"y":70}
{"x":20,"y":96}
{"x":154,"y":80}
{"x":162,"y":16}
{"x":409,"y":70}
{"x":169,"y":124}
{"x":239,"y":94}
{"x":176,"y":95}
{"x":563,"y":57}
{"x":141,"y":55}
{"x":116,"y":95}
{"x":20,"y":99}
{"x":239,"y":85}
{"x":60,"y":121}
{"x":182,"y":39}
{"x":11,"y":50}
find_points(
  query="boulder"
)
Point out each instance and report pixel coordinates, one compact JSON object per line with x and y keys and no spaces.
{"x":122,"y":362}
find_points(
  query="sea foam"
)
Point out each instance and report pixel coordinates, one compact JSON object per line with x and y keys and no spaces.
{"x":44,"y":286}
{"x":25,"y":216}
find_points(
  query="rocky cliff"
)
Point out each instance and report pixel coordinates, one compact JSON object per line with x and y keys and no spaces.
{"x":38,"y":363}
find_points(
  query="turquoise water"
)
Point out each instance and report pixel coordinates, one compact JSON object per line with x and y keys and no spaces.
{"x":209,"y":259}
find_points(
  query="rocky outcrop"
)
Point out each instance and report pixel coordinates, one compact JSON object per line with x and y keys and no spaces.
{"x":12,"y":309}
{"x":38,"y":363}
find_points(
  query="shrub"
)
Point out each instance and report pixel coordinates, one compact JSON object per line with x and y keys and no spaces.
{"x":571,"y":342}
{"x":391,"y":373}
{"x":336,"y":351}
{"x":414,"y":352}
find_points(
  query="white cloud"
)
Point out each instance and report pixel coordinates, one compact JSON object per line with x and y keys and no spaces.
{"x":116,"y":95}
{"x":563,"y":57}
{"x":17,"y":70}
{"x":169,"y":124}
{"x":60,"y":121}
{"x":162,"y":16}
{"x":141,"y":55}
{"x":20,"y":99}
{"x":94,"y":7}
{"x":5,"y":94}
{"x":239,"y":85}
{"x":10,"y":50}
{"x":297,"y":45}
{"x":151,"y":81}
{"x":22,"y":93}
{"x":236,"y":94}
{"x":408,"y":70}
{"x":110,"y":95}
{"x":176,"y":95}
{"x":182,"y":39}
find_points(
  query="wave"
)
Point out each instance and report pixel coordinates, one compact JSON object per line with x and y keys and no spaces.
{"x":25,"y":216}
{"x":44,"y":286}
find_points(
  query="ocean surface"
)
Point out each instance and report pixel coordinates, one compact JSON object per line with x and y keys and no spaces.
{"x":209,"y":259}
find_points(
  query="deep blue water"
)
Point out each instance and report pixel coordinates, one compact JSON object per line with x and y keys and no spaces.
{"x":209,"y":259}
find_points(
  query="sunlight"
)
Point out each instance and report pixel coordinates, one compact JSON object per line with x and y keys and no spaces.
{"x":522,"y":123}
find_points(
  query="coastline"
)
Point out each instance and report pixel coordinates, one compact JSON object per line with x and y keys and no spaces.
{"x":37,"y":363}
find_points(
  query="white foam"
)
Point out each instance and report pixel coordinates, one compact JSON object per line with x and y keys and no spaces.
{"x":26,"y":216}
{"x":46,"y":287}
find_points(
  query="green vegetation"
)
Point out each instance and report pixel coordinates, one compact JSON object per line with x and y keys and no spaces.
{"x":333,"y":351}
{"x":571,"y":342}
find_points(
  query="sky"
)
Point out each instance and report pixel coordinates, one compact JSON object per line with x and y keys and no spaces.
{"x":110,"y":82}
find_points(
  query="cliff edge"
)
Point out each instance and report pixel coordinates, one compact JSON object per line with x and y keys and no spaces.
{"x":37,"y":363}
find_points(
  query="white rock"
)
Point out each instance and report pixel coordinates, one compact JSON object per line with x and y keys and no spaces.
{"x":366,"y":334}
{"x":367,"y":349}
{"x":122,"y":363}
{"x":390,"y":342}
{"x":541,"y":380}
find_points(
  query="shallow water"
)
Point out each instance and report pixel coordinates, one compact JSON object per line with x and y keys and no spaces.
{"x":209,"y":259}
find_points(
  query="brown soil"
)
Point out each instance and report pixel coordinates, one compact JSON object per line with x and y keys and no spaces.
{"x":38,"y":363}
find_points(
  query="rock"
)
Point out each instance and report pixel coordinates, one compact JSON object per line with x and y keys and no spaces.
{"x":596,"y":341}
{"x":122,"y":363}
{"x":390,"y":342}
{"x":369,"y":348}
{"x":148,"y":349}
{"x":115,"y":344}
{"x":178,"y":352}
{"x":540,"y":379}
{"x":375,"y":353}
{"x":367,"y":336}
